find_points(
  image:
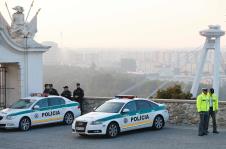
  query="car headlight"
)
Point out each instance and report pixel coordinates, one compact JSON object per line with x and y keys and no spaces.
{"x":96,"y":123}
{"x":10,"y":117}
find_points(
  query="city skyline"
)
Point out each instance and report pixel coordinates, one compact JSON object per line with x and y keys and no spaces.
{"x":162,"y":24}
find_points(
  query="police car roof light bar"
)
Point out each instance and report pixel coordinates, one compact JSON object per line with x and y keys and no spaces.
{"x":39,"y":94}
{"x":125,"y":96}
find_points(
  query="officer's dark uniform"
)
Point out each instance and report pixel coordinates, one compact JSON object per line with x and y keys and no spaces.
{"x":50,"y":90}
{"x":53,"y":91}
{"x":78,"y":95}
{"x":46,"y":90}
{"x":66,"y":93}
{"x":213,"y":109}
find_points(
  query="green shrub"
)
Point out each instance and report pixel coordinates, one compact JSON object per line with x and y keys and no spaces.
{"x":173,"y":92}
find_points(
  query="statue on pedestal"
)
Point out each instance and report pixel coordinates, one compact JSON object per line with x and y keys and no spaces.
{"x":19,"y":27}
{"x":21,"y":32}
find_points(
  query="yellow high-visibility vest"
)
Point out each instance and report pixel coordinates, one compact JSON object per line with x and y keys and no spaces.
{"x":202,"y":103}
{"x":215,"y":101}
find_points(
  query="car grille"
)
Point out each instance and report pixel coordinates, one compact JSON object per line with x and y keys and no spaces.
{"x":80,"y":124}
{"x":1,"y":117}
{"x":2,"y":125}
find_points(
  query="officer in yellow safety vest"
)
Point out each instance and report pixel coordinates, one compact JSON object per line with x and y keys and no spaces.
{"x":213,"y":108}
{"x":202,"y":104}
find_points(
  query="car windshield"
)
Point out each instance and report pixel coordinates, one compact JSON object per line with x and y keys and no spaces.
{"x":22,"y":104}
{"x":110,"y":107}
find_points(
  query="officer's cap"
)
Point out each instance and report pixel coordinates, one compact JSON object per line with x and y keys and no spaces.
{"x":46,"y":85}
{"x":211,"y":90}
{"x":204,"y":89}
{"x":65,"y":87}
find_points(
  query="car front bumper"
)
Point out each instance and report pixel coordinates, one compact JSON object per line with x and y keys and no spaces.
{"x":90,"y":129}
{"x":9,"y":124}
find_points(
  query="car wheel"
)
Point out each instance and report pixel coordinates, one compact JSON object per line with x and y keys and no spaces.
{"x":68,"y":118}
{"x":158,"y":122}
{"x":25,"y":124}
{"x":112,"y":130}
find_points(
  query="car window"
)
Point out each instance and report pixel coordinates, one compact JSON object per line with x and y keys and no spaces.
{"x":153,"y":105}
{"x":56,"y":101}
{"x":110,"y":107}
{"x":22,"y":104}
{"x":42,"y":103}
{"x":143,"y":105}
{"x":131,"y":106}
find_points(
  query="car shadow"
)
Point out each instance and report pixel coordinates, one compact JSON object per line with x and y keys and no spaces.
{"x":44,"y":126}
{"x":122,"y":134}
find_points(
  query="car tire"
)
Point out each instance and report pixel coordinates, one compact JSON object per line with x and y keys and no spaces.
{"x":68,"y":118}
{"x":112,"y":130}
{"x":158,"y":122}
{"x":25,"y":124}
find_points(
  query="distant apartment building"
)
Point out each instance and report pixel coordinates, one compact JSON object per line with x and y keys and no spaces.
{"x":128,"y":65}
{"x":148,"y":61}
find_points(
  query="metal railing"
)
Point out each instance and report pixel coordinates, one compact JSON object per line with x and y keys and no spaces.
{"x":2,"y":86}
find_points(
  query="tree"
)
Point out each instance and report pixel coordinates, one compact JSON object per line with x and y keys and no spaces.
{"x":173,"y":92}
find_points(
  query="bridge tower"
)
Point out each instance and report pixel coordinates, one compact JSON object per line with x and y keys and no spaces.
{"x":212,"y":42}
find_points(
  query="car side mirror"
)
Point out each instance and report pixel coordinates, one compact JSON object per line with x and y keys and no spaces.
{"x":125,"y":111}
{"x":36,"y":107}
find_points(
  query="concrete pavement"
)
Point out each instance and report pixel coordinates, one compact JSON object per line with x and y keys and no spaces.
{"x":60,"y":137}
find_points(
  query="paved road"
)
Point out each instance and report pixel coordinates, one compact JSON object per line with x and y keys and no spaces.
{"x":60,"y":137}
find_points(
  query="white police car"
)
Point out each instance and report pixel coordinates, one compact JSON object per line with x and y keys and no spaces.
{"x":37,"y":110}
{"x":121,"y":114}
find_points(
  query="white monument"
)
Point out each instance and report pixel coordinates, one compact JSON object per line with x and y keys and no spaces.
{"x":212,"y":42}
{"x":21,"y":58}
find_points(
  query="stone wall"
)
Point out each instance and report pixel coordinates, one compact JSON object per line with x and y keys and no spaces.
{"x":181,"y":111}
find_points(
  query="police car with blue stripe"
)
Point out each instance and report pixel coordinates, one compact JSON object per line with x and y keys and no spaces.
{"x":37,"y":110}
{"x":121,"y":114}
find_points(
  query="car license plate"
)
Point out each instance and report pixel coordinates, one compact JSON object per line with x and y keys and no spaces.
{"x":80,"y":128}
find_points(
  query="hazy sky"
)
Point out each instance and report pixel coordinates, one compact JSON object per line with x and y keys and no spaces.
{"x":124,"y":23}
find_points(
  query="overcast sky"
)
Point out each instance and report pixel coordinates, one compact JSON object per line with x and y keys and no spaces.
{"x":124,"y":23}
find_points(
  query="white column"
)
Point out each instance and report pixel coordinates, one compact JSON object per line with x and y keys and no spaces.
{"x":217,"y":60}
{"x":22,"y":82}
{"x":35,"y":73}
{"x":199,"y":71}
{"x":26,"y":73}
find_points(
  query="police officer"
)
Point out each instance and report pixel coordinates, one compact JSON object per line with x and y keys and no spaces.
{"x":213,"y":99}
{"x":66,"y":93}
{"x":52,"y":91}
{"x":78,"y":95}
{"x":202,"y":104}
{"x":46,"y":89}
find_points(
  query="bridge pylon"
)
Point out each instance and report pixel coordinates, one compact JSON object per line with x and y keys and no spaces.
{"x":212,"y":42}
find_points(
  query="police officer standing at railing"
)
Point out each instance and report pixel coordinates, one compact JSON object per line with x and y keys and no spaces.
{"x":46,"y":89}
{"x":53,"y":91}
{"x":50,"y":90}
{"x":213,"y":109}
{"x":202,"y":104}
{"x":66,"y":93}
{"x":78,"y":95}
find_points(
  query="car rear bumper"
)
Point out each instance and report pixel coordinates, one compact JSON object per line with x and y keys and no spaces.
{"x":165,"y":115}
